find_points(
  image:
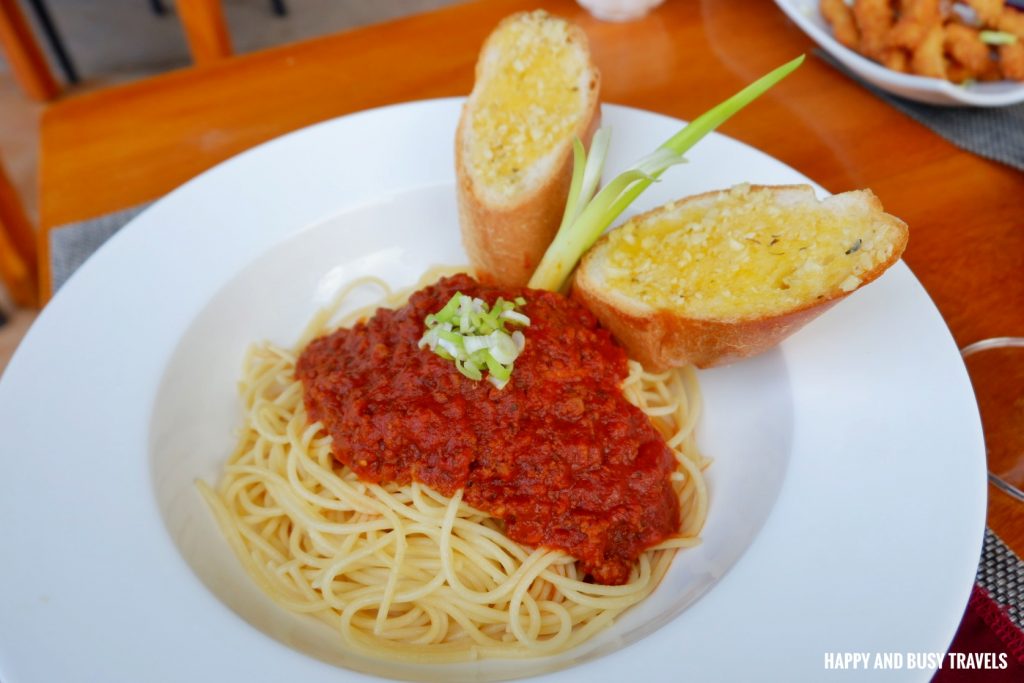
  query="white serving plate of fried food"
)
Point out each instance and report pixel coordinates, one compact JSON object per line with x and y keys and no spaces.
{"x":932,"y":51}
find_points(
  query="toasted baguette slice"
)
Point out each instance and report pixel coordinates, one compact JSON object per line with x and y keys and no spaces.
{"x":726,"y":275}
{"x":536,"y":89}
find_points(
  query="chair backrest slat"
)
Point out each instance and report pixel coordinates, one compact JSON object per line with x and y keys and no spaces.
{"x":18,"y":266}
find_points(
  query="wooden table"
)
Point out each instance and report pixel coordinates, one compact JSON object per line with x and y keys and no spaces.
{"x":116,"y":148}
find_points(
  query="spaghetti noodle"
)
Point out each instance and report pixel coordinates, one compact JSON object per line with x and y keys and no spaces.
{"x":401,"y":571}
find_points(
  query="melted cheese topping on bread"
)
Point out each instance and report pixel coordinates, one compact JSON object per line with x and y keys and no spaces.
{"x":747,"y":253}
{"x":529,"y":100}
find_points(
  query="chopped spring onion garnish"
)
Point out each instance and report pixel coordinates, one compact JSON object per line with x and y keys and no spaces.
{"x":586,"y":216}
{"x":474,"y":335}
{"x":997,"y":37}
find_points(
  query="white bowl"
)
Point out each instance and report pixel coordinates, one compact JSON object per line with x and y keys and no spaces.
{"x":847,"y":491}
{"x":805,"y":14}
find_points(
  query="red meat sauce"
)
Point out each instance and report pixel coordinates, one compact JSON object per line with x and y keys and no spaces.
{"x":559,"y":454}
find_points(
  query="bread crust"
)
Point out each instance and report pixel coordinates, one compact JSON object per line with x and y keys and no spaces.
{"x":661,"y":339}
{"x":505,"y":241}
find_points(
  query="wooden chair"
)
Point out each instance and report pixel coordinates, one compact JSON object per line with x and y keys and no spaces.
{"x":26,"y":59}
{"x":18,"y":267}
{"x":206,"y":33}
{"x":202,"y":21}
{"x":205,"y":30}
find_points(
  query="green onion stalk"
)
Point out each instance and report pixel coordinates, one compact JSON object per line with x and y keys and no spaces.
{"x":997,"y":38}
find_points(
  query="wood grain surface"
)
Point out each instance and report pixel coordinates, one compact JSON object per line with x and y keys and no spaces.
{"x":206,"y":30}
{"x":116,"y":148}
{"x":17,"y":246}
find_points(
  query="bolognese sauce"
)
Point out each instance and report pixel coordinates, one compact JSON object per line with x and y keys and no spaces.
{"x":558,"y":454}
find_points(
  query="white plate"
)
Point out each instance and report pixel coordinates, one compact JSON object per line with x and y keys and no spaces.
{"x":848,"y":488}
{"x":806,"y":15}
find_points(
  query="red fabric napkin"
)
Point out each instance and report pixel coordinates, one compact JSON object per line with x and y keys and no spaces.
{"x":985,"y":630}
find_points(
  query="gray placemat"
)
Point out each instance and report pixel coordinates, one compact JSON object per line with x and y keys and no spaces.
{"x":1001,"y":574}
{"x":996,"y":133}
{"x":72,"y":244}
